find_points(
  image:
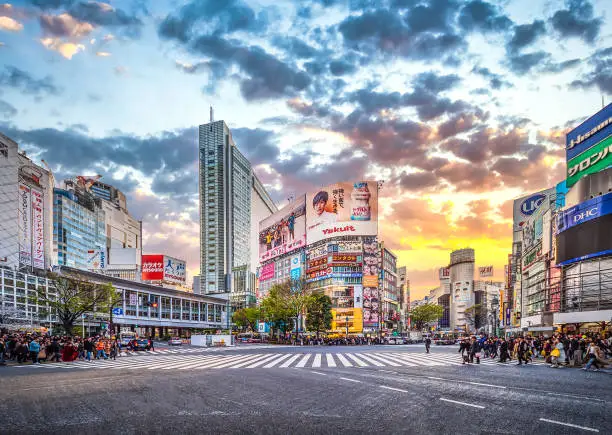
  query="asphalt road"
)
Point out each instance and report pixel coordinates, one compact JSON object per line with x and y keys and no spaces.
{"x":445,"y":399}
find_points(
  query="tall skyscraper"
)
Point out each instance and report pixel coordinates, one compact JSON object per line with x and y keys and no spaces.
{"x":229,"y":195}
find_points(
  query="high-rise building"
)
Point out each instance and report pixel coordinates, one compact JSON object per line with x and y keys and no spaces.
{"x":462,"y":287}
{"x":229,"y":195}
{"x":389,"y":288}
{"x":26,"y":223}
{"x":404,"y":298}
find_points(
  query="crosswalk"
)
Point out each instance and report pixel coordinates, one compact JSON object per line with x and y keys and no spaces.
{"x":183,"y":350}
{"x":188,"y":361}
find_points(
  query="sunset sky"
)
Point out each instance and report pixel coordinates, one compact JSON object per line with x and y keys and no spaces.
{"x":459,"y":106}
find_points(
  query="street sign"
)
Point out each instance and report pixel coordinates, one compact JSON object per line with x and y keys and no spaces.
{"x":118,"y":311}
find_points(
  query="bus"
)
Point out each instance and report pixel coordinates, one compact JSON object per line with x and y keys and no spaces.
{"x":443,"y":338}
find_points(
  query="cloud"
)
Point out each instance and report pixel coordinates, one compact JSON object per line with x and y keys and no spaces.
{"x":481,"y":16}
{"x":257,"y":144}
{"x":66,"y":49}
{"x":102,"y":53}
{"x":577,"y":21}
{"x":120,"y":70}
{"x":521,"y":64}
{"x":10,"y":25}
{"x":7,"y":110}
{"x":64,"y":25}
{"x":600,"y":76}
{"x":496,"y":81}
{"x":18,"y":79}
{"x":525,"y":35}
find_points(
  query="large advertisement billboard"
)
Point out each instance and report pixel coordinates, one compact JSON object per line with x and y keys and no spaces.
{"x":25,"y":225}
{"x":526,"y":206}
{"x":371,"y":269}
{"x":590,"y":132}
{"x":38,"y":229}
{"x":591,"y":161}
{"x":152,"y":267}
{"x":174,"y":270}
{"x":267,"y":272}
{"x":96,"y":259}
{"x":342,"y":209}
{"x":588,"y":240}
{"x":284,"y":231}
{"x":584,"y":212}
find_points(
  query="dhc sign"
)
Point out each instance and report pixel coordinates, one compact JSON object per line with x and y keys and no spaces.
{"x":531,"y":204}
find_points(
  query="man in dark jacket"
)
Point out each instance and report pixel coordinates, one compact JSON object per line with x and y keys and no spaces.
{"x":503,"y":351}
{"x":523,"y":348}
{"x":88,"y":347}
{"x":427,"y":344}
{"x":475,"y":350}
{"x":465,"y":347}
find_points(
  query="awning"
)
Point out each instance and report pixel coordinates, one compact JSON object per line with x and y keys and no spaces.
{"x":541,"y":328}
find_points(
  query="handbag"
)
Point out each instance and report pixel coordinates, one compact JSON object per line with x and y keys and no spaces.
{"x":555,"y":352}
{"x":477,"y":355}
{"x":543,"y":353}
{"x":42,"y":354}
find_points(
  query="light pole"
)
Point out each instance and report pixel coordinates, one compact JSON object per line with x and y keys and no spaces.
{"x":347,"y":319}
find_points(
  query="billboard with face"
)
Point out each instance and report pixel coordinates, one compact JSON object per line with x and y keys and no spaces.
{"x":284,"y":231}
{"x":342,"y":209}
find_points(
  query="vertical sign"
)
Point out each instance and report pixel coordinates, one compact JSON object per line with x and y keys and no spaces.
{"x":25,"y":227}
{"x":38,"y":225}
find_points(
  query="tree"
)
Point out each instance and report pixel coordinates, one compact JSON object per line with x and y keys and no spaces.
{"x":246,"y":318}
{"x":424,"y":314}
{"x":75,"y":296}
{"x":11,"y":317}
{"x":471,"y":314}
{"x":319,"y":315}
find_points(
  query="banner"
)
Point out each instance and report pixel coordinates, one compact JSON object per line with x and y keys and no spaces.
{"x":96,"y":259}
{"x":444,"y":273}
{"x":38,"y":229}
{"x":349,"y":246}
{"x":174,"y":270}
{"x":296,"y":267}
{"x":267,"y":272}
{"x":590,"y":132}
{"x":485,"y":271}
{"x":25,"y":226}
{"x":591,"y":161}
{"x":342,"y":209}
{"x":344,"y":258}
{"x":584,"y":212}
{"x":152,"y":267}
{"x":371,"y":303}
{"x":284,"y":231}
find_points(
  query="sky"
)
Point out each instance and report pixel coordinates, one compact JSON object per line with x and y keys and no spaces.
{"x":459,"y":106}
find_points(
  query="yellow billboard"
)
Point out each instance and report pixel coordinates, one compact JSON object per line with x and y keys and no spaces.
{"x":343,"y":316}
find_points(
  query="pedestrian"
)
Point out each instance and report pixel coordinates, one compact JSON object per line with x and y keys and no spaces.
{"x":69,"y":352}
{"x":593,"y":357}
{"x":2,"y":351}
{"x":475,"y":351}
{"x":114,"y":350}
{"x":522,"y":349}
{"x":88,"y":347}
{"x":151,"y":344}
{"x":503,"y":351}
{"x":100,"y":350}
{"x":427,"y":344}
{"x":464,"y":348}
{"x":34,"y":348}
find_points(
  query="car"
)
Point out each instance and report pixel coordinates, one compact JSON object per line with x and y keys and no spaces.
{"x":175,"y":341}
{"x":141,"y":344}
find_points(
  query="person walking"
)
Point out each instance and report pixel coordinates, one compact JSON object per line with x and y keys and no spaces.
{"x":427,"y":344}
{"x":464,"y":348}
{"x":2,"y":350}
{"x":593,"y":354}
{"x":503,"y":351}
{"x":34,"y":348}
{"x":114,"y":350}
{"x":88,"y":347}
{"x":475,"y":351}
{"x":151,"y":344}
{"x":522,"y":349}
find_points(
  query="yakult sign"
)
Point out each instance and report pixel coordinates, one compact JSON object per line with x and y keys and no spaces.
{"x":528,"y":205}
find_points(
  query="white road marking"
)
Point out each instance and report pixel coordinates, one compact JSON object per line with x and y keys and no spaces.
{"x":393,"y":389}
{"x":276,"y":361}
{"x":222,"y":362}
{"x":319,"y":373}
{"x":244,"y":363}
{"x":343,"y":360}
{"x":570,"y":425}
{"x":359,"y":362}
{"x":290,"y":360}
{"x":317,"y":361}
{"x":371,"y":360}
{"x":380,"y":357}
{"x":351,"y":380}
{"x":304,"y":360}
{"x":487,"y":385}
{"x":330,"y":360}
{"x":263,"y":361}
{"x":462,"y":403}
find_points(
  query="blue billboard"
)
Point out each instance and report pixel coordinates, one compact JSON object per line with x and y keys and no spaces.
{"x":584,"y":212}
{"x":590,"y":132}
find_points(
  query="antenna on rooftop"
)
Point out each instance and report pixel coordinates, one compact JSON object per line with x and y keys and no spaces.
{"x":212,"y":118}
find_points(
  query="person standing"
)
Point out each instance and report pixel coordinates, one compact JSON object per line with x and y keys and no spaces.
{"x":464,"y":348}
{"x":34,"y":348}
{"x":427,"y":344}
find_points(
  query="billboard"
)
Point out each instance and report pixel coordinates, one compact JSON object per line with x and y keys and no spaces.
{"x":587,"y":134}
{"x":174,"y":270}
{"x":96,"y":259}
{"x":38,"y":229}
{"x":296,"y":267}
{"x":444,"y":273}
{"x":267,"y":272}
{"x":588,"y":240}
{"x":25,"y":225}
{"x":485,"y":271}
{"x":584,"y":212}
{"x":152,"y":267}
{"x":527,"y":205}
{"x":370,"y":302}
{"x":284,"y":231}
{"x":342,"y":209}
{"x":591,"y":161}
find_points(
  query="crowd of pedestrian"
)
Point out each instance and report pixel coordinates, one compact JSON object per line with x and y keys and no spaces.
{"x":586,"y":351}
{"x":36,"y":348}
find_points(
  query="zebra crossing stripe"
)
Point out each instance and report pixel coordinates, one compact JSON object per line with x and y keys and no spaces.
{"x":186,"y":363}
{"x":263,"y":361}
{"x":400,"y":361}
{"x":250,"y":358}
{"x":290,"y":360}
{"x":359,"y":362}
{"x":317,"y":361}
{"x":452,"y":360}
{"x":370,"y":360}
{"x":304,"y":360}
{"x":214,"y":361}
{"x":276,"y":361}
{"x":243,"y":363}
{"x":407,"y":361}
{"x":343,"y":360}
{"x":385,"y":360}
{"x":419,"y":361}
{"x":330,"y":360}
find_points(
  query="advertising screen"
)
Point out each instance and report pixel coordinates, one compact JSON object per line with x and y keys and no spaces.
{"x":25,"y":226}
{"x":152,"y":267}
{"x":174,"y":270}
{"x":485,"y":271}
{"x":593,"y":160}
{"x":444,"y":273}
{"x":342,"y":209}
{"x":370,"y":301}
{"x":284,"y":231}
{"x":588,"y":240}
{"x":527,"y":205}
{"x":38,"y":232}
{"x":267,"y":272}
{"x":587,"y":134}
{"x":584,"y":212}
